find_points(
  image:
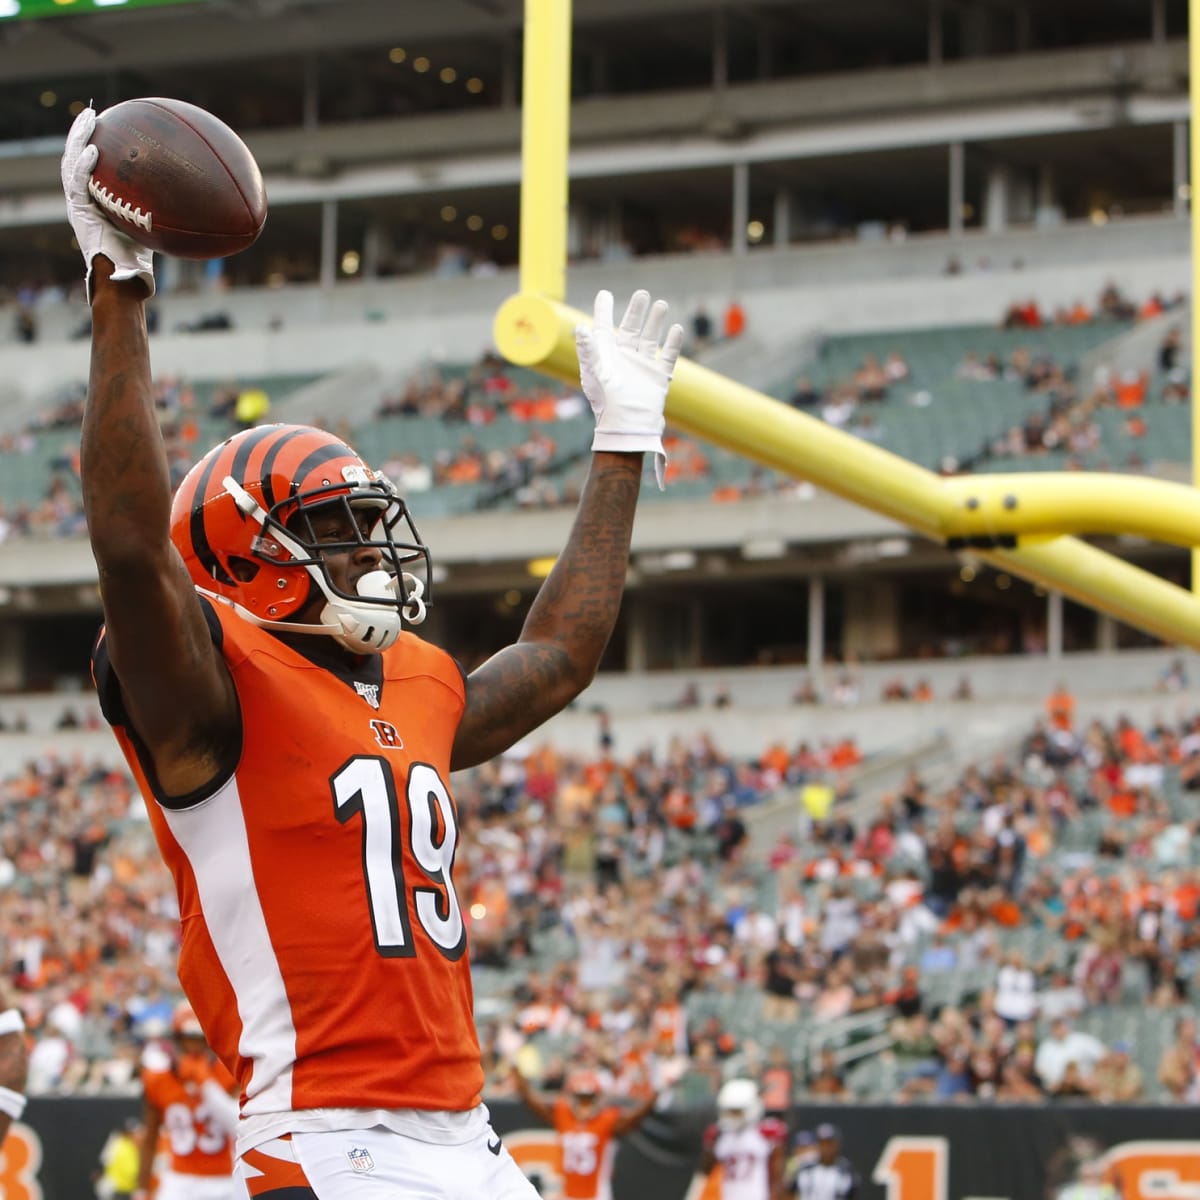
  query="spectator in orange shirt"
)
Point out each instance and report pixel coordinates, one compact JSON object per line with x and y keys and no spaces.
{"x":1130,"y":389}
{"x":1060,"y":708}
{"x":734,"y":324}
{"x":845,"y":754}
{"x":680,"y":809}
{"x":778,"y":1083}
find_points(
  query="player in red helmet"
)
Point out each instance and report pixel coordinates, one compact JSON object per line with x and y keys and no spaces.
{"x":188,"y":1107}
{"x":294,"y":739}
{"x":588,"y":1130}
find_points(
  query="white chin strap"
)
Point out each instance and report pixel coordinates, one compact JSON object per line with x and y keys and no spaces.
{"x":370,"y":628}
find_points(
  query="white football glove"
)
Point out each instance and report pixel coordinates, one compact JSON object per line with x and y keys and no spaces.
{"x":625,"y":374}
{"x":94,"y":233}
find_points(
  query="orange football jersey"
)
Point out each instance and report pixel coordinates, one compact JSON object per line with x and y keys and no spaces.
{"x":195,"y":1146}
{"x":588,"y":1149}
{"x":323,"y":948}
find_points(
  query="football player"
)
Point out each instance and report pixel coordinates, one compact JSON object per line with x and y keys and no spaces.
{"x":187,"y":1106}
{"x":14,"y":1066}
{"x":587,"y":1130}
{"x":748,"y":1147}
{"x":294,"y":739}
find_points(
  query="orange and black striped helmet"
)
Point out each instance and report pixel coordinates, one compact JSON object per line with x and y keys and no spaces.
{"x":241,"y":521}
{"x":583,"y":1083}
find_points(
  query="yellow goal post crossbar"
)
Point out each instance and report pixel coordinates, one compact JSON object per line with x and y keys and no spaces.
{"x":1024,"y":524}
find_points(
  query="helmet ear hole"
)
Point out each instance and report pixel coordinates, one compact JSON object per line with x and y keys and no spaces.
{"x":244,"y":569}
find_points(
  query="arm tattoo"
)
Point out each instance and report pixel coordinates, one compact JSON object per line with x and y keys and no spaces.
{"x":123,"y":464}
{"x":177,"y":691}
{"x":568,"y":626}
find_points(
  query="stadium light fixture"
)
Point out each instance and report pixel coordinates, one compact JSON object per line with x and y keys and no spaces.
{"x":764,"y":548}
{"x":679,"y":560}
{"x":539,"y":568}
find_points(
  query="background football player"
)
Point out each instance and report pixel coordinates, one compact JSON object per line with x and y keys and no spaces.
{"x":188,"y":1109}
{"x":748,"y":1147}
{"x":588,"y":1130}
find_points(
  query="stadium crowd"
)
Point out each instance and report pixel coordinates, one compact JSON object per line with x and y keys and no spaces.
{"x":538,"y":463}
{"x":1063,"y":405}
{"x":957,"y":942}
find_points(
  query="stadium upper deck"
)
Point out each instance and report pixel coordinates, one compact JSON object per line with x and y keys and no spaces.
{"x":714,"y":138}
{"x":389,"y":133}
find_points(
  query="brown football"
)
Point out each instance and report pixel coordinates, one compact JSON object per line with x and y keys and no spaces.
{"x":176,"y":179}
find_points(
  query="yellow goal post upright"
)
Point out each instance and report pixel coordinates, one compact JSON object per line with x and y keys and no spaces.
{"x":1026,"y":524}
{"x":1194,"y":209}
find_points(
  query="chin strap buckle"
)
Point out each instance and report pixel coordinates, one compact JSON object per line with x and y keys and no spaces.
{"x":413,"y":609}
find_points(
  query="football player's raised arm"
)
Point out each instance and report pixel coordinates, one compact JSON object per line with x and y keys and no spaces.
{"x":625,"y":376}
{"x":541,"y":1108}
{"x":629,"y":1121}
{"x":174,"y":684}
{"x":175,"y":687}
{"x":568,"y":625}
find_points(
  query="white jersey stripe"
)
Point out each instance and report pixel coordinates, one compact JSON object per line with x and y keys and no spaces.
{"x":212,"y":836}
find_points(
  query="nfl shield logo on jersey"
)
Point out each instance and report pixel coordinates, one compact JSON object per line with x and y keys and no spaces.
{"x":369,"y":692}
{"x":361,"y":1160}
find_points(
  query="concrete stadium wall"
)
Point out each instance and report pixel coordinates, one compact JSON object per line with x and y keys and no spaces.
{"x":1010,"y":693}
{"x":397,"y":325}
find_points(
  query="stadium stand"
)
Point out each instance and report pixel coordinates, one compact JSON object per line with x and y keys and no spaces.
{"x":624,"y":913}
{"x":465,"y":436}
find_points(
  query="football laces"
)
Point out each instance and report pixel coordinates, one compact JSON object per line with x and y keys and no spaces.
{"x":119,"y":207}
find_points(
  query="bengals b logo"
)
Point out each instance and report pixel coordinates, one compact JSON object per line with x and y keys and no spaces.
{"x":387,"y":735}
{"x":1154,"y":1170}
{"x":20,"y":1162}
